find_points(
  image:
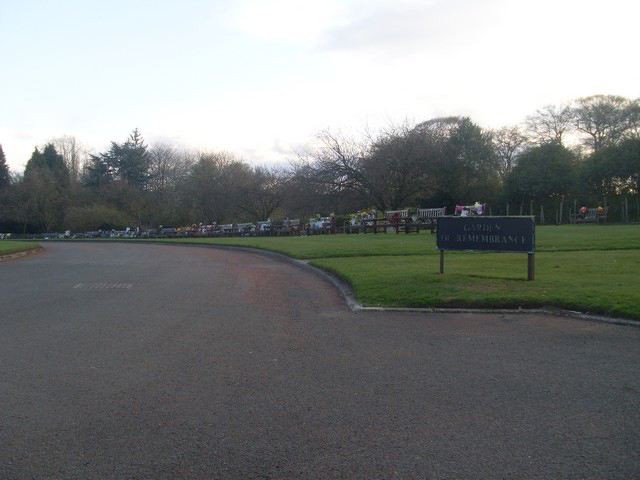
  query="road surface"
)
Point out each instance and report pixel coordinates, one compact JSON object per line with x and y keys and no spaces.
{"x":150,"y":361}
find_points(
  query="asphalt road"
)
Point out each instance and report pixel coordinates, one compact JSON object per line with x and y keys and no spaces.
{"x":132,"y":361}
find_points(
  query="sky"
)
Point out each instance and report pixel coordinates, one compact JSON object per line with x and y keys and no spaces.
{"x":261,"y":78}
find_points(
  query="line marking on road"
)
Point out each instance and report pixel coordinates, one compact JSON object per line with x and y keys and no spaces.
{"x":103,"y":286}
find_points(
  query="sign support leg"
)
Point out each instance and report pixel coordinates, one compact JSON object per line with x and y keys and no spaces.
{"x":531,"y":266}
{"x":441,"y":262}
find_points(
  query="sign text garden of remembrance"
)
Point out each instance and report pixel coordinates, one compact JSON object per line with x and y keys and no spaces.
{"x":488,"y":234}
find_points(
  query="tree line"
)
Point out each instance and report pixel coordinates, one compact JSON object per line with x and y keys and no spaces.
{"x":586,"y":152}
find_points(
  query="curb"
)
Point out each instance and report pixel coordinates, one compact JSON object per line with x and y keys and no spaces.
{"x":24,"y":253}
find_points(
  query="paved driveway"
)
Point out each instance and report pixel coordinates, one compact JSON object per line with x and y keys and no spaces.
{"x":132,"y":361}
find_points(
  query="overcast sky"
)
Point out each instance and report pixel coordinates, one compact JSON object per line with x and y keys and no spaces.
{"x":260,"y":78}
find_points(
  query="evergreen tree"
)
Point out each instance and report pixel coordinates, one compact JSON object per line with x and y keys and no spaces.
{"x":100,"y":171}
{"x":128,"y":162}
{"x":49,"y":161}
{"x":46,"y":180}
{"x":5,"y":177}
{"x":132,"y":160}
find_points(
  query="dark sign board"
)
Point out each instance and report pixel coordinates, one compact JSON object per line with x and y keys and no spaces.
{"x":491,"y":234}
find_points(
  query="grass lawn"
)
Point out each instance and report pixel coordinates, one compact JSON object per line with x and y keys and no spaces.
{"x":609,"y":284}
{"x":15,"y":246}
{"x":591,"y":268}
{"x":566,"y":238}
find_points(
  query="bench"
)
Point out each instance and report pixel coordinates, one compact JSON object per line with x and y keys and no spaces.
{"x":167,"y":232}
{"x":294,"y":226}
{"x":591,"y":215}
{"x":245,"y":229}
{"x":320,"y":225}
{"x":393,"y":219}
{"x":360,"y":222}
{"x":396,"y":216}
{"x":430,"y":216}
{"x":471,"y":210}
{"x":227,"y":229}
{"x":289,"y":227}
{"x":211,"y":228}
{"x":263,"y":227}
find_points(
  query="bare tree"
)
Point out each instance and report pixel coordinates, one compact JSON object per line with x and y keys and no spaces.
{"x":337,"y":163}
{"x":304,"y":195}
{"x":549,"y":124}
{"x":262,"y":193}
{"x":604,"y":120}
{"x":633,"y":119}
{"x":509,"y":143}
{"x":215,"y":186}
{"x":388,"y":169}
{"x":168,"y":167}
{"x":406,"y":164}
{"x":74,"y":154}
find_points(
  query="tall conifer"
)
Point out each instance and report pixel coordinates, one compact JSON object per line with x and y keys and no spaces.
{"x":5,"y":177}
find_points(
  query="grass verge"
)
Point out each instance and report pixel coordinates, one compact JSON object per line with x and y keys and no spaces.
{"x":564,"y":238}
{"x":568,"y":280}
{"x":8,"y":247}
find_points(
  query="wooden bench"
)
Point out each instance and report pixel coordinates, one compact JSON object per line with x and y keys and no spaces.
{"x":394,"y":220}
{"x":294,"y":226}
{"x":246,"y":229}
{"x":360,"y":222}
{"x":397,"y":220}
{"x":167,"y":232}
{"x":396,"y":216}
{"x":429,"y":216}
{"x":263,"y":227}
{"x":289,"y":227}
{"x":320,"y":226}
{"x":365,"y":226}
{"x":227,"y":229}
{"x":592,"y":215}
{"x":472,"y":210}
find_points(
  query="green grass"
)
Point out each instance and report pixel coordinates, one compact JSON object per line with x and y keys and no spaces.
{"x":14,"y":246}
{"x":564,"y":238}
{"x":590,"y":268}
{"x":569,"y":280}
{"x":323,"y":246}
{"x":571,"y":238}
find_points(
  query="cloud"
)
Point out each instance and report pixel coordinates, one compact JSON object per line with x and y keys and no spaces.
{"x":409,"y":26}
{"x":261,"y":76}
